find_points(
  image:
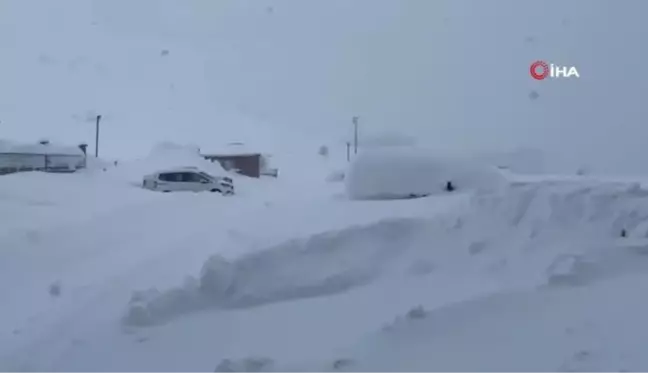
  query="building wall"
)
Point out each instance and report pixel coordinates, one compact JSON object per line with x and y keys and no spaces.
{"x":248,"y":165}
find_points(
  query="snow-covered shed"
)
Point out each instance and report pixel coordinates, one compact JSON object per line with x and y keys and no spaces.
{"x":41,"y":156}
{"x":236,"y":157}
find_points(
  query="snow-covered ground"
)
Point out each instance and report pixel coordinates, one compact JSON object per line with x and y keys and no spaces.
{"x":97,"y":274}
{"x":315,"y":270}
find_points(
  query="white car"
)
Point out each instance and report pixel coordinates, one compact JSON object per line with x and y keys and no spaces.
{"x":188,"y":179}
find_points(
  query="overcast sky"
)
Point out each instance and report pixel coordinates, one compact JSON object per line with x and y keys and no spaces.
{"x":452,"y":73}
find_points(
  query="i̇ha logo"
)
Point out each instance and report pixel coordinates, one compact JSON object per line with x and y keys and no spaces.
{"x":541,"y":70}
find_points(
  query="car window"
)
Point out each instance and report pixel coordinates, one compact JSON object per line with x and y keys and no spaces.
{"x":171,"y":176}
{"x":192,"y":177}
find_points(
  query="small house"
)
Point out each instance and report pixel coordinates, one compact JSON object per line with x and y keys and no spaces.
{"x":234,"y":157}
{"x":41,"y":156}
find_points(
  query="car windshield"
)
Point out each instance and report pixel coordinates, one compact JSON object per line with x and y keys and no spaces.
{"x":210,"y":177}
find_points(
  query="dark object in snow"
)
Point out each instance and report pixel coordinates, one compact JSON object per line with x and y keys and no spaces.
{"x":341,"y":364}
{"x":413,"y":196}
{"x":55,"y":289}
{"x":449,"y":186}
{"x":164,"y":52}
{"x":624,"y":233}
{"x":534,"y":95}
{"x":416,"y":313}
{"x":251,"y":364}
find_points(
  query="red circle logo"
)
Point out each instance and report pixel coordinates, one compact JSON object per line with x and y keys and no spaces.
{"x":539,"y":70}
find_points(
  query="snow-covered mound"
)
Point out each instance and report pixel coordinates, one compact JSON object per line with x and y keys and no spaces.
{"x":326,"y":263}
{"x":36,"y":202}
{"x":527,"y":236}
{"x":402,"y":172}
{"x":542,"y":241}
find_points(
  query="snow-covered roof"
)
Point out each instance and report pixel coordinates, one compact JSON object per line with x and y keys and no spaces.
{"x":37,"y":148}
{"x":230,"y":149}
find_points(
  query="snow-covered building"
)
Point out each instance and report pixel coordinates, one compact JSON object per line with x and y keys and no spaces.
{"x":42,"y":156}
{"x":238,"y":157}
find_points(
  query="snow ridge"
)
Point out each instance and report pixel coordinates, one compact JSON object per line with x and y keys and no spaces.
{"x":323,"y":264}
{"x":540,"y":233}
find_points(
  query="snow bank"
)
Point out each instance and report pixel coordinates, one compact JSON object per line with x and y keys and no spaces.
{"x":326,"y":263}
{"x":406,"y":172}
{"x":536,"y":234}
{"x":39,"y":202}
{"x":545,"y":235}
{"x":592,"y":328}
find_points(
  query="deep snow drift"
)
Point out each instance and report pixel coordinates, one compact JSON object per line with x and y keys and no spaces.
{"x":552,"y":250}
{"x":323,"y":264}
{"x":529,"y":233}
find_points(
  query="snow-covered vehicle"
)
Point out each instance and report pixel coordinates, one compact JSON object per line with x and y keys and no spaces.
{"x":410,"y":172}
{"x":188,"y":179}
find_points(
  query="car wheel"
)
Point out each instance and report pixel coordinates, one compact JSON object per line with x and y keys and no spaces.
{"x":215,"y":191}
{"x":165,"y":191}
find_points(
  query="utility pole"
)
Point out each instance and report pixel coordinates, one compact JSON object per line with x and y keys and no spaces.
{"x":97,"y":137}
{"x":355,"y":135}
{"x":348,"y":146}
